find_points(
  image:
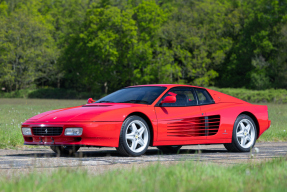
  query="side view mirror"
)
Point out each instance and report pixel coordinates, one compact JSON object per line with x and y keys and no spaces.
{"x":169,"y":99}
{"x":90,"y":100}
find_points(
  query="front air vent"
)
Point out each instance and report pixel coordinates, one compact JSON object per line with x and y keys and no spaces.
{"x":47,"y":131}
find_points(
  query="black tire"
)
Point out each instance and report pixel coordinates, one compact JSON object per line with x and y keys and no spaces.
{"x":65,"y":150}
{"x":124,"y":145}
{"x":235,"y":146}
{"x":170,"y":149}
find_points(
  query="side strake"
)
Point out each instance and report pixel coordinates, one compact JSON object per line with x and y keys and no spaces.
{"x":194,"y":127}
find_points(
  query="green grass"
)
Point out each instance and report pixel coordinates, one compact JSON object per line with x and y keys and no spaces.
{"x":15,"y":111}
{"x":278,"y":129}
{"x":185,"y":176}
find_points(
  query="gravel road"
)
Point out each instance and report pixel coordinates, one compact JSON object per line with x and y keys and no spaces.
{"x":97,"y":160}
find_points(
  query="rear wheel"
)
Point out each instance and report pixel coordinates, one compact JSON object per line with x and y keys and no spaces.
{"x":243,"y":136}
{"x":134,"y":137}
{"x":170,"y":149}
{"x":65,"y":150}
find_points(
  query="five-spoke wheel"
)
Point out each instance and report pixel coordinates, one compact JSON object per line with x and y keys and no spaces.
{"x":243,"y":136}
{"x":245,"y":133}
{"x":134,"y":137}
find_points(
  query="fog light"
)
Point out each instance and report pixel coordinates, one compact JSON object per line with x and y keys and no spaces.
{"x":73,"y":131}
{"x":26,"y":131}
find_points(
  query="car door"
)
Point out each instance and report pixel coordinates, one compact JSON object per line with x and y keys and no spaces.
{"x":181,"y":120}
{"x":211,"y":112}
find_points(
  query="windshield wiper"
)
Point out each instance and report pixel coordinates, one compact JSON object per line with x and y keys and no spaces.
{"x":105,"y":102}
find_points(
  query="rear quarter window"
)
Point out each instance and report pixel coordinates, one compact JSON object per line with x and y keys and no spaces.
{"x":203,"y":97}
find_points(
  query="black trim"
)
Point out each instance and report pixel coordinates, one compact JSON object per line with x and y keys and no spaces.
{"x":213,"y":102}
{"x":158,"y":104}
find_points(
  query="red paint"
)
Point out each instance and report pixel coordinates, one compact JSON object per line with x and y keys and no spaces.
{"x":169,"y":99}
{"x":101,"y":122}
{"x":172,"y":94}
{"x":90,"y":100}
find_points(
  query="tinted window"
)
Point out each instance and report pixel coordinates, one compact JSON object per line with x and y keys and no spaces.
{"x":142,"y":95}
{"x":184,"y":97}
{"x":203,"y":97}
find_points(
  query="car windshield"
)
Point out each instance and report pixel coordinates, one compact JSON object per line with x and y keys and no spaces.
{"x":141,"y":95}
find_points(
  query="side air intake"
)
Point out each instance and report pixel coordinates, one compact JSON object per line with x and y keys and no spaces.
{"x":192,"y":127}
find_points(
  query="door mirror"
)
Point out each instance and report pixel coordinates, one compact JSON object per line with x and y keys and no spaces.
{"x":90,"y":100}
{"x":169,"y":99}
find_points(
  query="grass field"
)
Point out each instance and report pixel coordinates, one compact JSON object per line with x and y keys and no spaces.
{"x":278,"y":129}
{"x":185,"y":176}
{"x":15,"y":111}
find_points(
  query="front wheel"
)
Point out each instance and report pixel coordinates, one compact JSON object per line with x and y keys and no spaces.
{"x":134,"y":137}
{"x":243,"y":136}
{"x":65,"y":150}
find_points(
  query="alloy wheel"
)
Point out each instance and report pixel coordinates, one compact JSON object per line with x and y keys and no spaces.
{"x":136,"y":136}
{"x":245,"y":133}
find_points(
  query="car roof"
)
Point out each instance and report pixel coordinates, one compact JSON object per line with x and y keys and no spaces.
{"x":166,"y":85}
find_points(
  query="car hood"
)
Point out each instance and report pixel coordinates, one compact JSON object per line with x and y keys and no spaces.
{"x":89,"y":112}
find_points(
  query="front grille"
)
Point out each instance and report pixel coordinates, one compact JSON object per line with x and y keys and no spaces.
{"x":47,"y":131}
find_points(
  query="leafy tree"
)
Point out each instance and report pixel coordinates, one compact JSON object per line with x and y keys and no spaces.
{"x":27,"y":48}
{"x":103,"y":45}
{"x":258,"y":37}
{"x":155,"y":63}
{"x":196,"y":35}
{"x":100,"y":56}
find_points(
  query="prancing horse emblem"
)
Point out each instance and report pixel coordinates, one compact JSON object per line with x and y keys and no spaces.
{"x":55,"y":118}
{"x":46,"y":131}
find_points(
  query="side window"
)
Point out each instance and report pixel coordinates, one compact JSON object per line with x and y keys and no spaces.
{"x":184,"y":97}
{"x":203,"y":97}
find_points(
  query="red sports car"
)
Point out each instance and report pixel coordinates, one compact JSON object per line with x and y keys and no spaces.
{"x":165,"y":116}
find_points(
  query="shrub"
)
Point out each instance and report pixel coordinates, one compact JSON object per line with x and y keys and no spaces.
{"x":49,"y":93}
{"x":253,"y":96}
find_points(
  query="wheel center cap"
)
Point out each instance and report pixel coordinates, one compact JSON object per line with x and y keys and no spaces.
{"x":245,"y":133}
{"x":137,"y":136}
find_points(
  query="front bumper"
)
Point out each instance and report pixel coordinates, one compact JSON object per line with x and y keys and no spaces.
{"x":100,"y":134}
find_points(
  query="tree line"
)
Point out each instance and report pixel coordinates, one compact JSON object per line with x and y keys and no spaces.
{"x":104,"y":45}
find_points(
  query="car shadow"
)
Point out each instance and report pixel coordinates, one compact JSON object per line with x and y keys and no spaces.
{"x":113,"y":153}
